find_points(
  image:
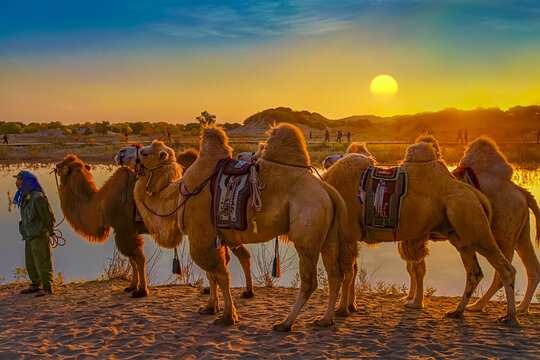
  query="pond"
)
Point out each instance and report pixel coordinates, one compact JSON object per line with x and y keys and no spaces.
{"x":80,"y":259}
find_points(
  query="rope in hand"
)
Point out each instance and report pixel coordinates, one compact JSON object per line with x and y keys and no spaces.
{"x":57,"y":237}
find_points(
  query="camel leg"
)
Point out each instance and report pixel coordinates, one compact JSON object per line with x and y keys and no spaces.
{"x":223,"y":279}
{"x":329,"y":254}
{"x":474,"y":275}
{"x":140,"y":261}
{"x":508,"y":275}
{"x":308,"y":284}
{"x":212,"y":304}
{"x":479,"y":305}
{"x":412,"y":287}
{"x":347,"y":303}
{"x":526,"y":252}
{"x":244,"y":257}
{"x":419,"y":271}
{"x":134,"y":276}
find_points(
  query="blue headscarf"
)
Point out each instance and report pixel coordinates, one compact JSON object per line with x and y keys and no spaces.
{"x":29,"y":183}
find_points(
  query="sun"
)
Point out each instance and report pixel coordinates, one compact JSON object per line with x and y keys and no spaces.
{"x":383,"y":87}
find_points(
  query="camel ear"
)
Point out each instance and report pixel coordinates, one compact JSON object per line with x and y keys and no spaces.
{"x":65,"y":170}
{"x":87,"y":167}
{"x":163,"y":155}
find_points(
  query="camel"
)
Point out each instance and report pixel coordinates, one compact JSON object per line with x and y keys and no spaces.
{"x":436,"y":202}
{"x":355,"y":147}
{"x":294,"y":203}
{"x":160,"y":225}
{"x":92,"y":213}
{"x":510,"y":222}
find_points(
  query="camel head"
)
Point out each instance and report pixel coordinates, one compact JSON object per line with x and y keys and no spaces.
{"x":430,"y":140}
{"x":421,"y":152}
{"x":156,"y":154}
{"x":214,"y":143}
{"x":484,"y":154}
{"x":127,"y":156}
{"x":287,"y":145}
{"x":76,"y":173}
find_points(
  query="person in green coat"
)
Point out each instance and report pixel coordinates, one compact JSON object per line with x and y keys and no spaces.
{"x":36,"y":226}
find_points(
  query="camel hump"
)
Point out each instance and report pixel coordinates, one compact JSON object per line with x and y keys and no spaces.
{"x":420,"y":152}
{"x":430,"y":139}
{"x":187,"y":157}
{"x":287,"y":145}
{"x":358,"y":147}
{"x":484,"y":155}
{"x":533,"y":205}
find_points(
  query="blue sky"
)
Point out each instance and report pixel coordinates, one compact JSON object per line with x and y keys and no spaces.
{"x":452,"y":44}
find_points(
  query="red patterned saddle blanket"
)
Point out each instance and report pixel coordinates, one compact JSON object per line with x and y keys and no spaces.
{"x":230,"y":193}
{"x":380,"y":192}
{"x":467,"y":175}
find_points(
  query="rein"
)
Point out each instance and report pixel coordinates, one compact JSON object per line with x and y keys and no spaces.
{"x":311,"y":168}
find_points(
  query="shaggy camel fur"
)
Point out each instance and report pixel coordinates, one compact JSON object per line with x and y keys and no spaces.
{"x":354,"y":148}
{"x":510,"y":223}
{"x":169,"y":172}
{"x":294,"y":203}
{"x":92,"y":213}
{"x":436,"y":202}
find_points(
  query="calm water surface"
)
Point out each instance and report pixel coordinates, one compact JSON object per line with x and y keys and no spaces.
{"x":80,"y":259}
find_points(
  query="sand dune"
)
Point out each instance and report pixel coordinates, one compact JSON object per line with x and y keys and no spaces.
{"x":97,"y":320}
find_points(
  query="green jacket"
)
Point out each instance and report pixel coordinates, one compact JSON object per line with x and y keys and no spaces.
{"x":37,"y":218}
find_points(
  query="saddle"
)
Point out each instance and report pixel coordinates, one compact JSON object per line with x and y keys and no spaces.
{"x":380,"y":192}
{"x":231,"y":189}
{"x":467,"y":175}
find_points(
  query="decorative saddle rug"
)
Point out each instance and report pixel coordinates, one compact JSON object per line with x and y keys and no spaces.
{"x":380,"y":192}
{"x":467,"y":175}
{"x":231,"y":189}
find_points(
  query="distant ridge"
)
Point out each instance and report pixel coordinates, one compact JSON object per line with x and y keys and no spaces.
{"x":517,"y":120}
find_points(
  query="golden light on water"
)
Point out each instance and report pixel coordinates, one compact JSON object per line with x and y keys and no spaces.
{"x":383,"y":87}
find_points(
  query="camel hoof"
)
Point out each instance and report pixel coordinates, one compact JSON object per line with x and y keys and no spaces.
{"x":510,"y":321}
{"x":342,"y":312}
{"x":205,"y":290}
{"x":475,"y":308}
{"x":248,"y":294}
{"x":130,"y":289}
{"x":322,"y":322}
{"x":454,"y":314}
{"x":406,"y":298}
{"x":282,"y":327}
{"x":139,"y":293}
{"x":414,"y":305}
{"x":226,"y":320}
{"x":208,"y":310}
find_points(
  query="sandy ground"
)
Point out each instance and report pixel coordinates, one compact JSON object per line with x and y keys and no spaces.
{"x":97,"y":320}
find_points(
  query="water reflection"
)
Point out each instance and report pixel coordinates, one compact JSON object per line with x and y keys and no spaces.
{"x":80,"y":259}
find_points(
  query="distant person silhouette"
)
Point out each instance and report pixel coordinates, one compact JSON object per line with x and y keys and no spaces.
{"x":348,"y":136}
{"x":310,"y":135}
{"x":459,"y":137}
{"x":338,"y":136}
{"x":5,"y":139}
{"x":126,"y":135}
{"x":327,"y":136}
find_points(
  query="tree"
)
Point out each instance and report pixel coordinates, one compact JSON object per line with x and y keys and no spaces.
{"x":206,"y":119}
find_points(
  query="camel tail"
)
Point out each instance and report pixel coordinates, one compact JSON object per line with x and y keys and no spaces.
{"x":533,"y":205}
{"x":348,"y":249}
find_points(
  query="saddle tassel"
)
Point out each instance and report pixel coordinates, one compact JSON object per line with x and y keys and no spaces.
{"x":176,"y":268}
{"x":217,"y":242}
{"x":276,"y":265}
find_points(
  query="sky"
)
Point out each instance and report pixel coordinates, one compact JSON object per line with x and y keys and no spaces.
{"x":164,"y":60}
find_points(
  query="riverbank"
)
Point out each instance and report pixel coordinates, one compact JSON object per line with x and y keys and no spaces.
{"x":101,"y":150}
{"x":97,"y":320}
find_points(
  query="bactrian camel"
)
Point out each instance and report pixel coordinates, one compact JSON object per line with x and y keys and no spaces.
{"x":294,"y":203}
{"x":436,"y":202}
{"x":157,"y":178}
{"x":510,"y":222}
